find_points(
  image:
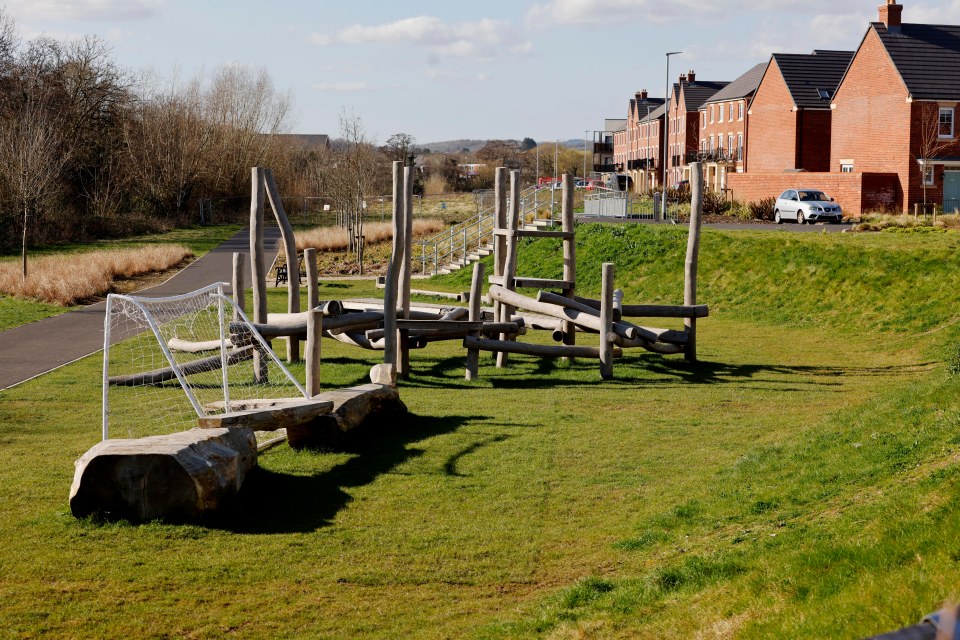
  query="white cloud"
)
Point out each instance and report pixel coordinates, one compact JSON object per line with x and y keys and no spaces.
{"x":937,"y":13}
{"x":485,"y":38}
{"x":340,"y":87}
{"x":604,"y":12}
{"x":108,"y":10}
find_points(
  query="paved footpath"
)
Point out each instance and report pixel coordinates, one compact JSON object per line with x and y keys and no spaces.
{"x":33,"y":349}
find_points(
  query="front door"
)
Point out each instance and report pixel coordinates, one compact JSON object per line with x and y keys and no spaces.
{"x":951,"y":191}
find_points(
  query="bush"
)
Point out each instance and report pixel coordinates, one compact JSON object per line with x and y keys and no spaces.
{"x":762,"y":209}
{"x":715,"y":204}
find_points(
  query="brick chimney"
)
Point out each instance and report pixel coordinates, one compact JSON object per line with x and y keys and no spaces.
{"x":641,"y":95}
{"x":683,"y":78}
{"x":890,"y":14}
{"x":691,"y":76}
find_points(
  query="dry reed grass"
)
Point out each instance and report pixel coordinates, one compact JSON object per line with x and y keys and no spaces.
{"x":71,"y":278}
{"x":336,"y":239}
{"x":907,"y":222}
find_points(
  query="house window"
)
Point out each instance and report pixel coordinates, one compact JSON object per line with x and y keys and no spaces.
{"x":928,"y":175}
{"x":720,"y":113}
{"x":711,"y":114}
{"x":740,"y":146}
{"x":946,"y":122}
{"x":846,"y":168}
{"x":711,"y":144}
{"x":740,"y":109}
{"x":703,"y":116}
{"x":730,"y":144}
{"x":731,"y":112}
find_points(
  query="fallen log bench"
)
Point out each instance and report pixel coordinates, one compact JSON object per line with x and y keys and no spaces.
{"x":282,"y":415}
{"x":352,"y":407}
{"x":177,"y":477}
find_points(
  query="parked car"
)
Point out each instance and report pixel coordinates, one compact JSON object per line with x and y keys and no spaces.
{"x":806,"y":205}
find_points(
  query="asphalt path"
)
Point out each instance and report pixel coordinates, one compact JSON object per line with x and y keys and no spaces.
{"x":33,"y":349}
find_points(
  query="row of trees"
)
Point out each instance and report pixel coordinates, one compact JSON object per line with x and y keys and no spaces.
{"x":89,"y":149}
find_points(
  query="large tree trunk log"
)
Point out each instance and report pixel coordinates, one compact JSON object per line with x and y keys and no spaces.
{"x":178,"y":477}
{"x":693,"y":254}
{"x":352,"y":407}
{"x":268,"y":418}
{"x":159,"y":376}
{"x":290,"y":249}
{"x":653,"y":310}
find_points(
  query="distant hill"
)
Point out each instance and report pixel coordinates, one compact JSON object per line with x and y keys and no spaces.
{"x":452,"y":146}
{"x":573,"y":143}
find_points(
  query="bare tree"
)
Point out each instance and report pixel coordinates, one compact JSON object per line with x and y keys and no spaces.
{"x":929,"y":144}
{"x":32,"y":157}
{"x":399,"y":146}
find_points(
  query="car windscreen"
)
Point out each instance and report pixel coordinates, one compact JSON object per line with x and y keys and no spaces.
{"x":812,"y":196}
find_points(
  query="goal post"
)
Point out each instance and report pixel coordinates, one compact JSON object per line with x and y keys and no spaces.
{"x":170,"y":360}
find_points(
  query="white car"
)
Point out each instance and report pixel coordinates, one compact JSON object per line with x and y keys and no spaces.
{"x":806,"y":205}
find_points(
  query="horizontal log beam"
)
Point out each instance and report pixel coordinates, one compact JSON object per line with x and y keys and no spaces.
{"x":654,"y":310}
{"x":268,"y":418}
{"x":159,"y":376}
{"x":534,"y":233}
{"x":530,"y":349}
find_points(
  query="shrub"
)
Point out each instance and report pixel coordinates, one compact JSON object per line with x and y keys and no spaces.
{"x":68,"y":279}
{"x":336,"y":239}
{"x":762,"y":209}
{"x":715,"y":204}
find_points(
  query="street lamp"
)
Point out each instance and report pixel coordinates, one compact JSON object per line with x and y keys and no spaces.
{"x":666,"y":132}
{"x":586,"y":131}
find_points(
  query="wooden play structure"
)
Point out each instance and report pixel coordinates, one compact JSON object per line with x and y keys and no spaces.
{"x":237,"y":387}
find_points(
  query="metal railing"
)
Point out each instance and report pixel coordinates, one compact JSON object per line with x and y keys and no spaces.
{"x":463,"y":242}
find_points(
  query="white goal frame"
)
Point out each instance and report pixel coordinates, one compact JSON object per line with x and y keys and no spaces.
{"x":215,"y":291}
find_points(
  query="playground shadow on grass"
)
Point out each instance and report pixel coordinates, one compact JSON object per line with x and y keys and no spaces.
{"x":272,"y":502}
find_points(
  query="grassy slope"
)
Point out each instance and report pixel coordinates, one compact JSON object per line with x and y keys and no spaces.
{"x":15,"y":311}
{"x":798,"y":482}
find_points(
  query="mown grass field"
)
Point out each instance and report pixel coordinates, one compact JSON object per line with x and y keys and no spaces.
{"x":800,"y":481}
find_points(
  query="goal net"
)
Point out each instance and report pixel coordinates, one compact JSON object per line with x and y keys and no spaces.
{"x":168,"y":361}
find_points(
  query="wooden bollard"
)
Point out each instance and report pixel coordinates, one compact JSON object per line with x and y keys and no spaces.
{"x":510,"y":260}
{"x":606,"y":322}
{"x":313,"y":280}
{"x":290,"y":249}
{"x":693,"y":252}
{"x":237,"y":285}
{"x":569,"y":252}
{"x":406,"y":271}
{"x":393,"y":271}
{"x":499,"y":223}
{"x":258,"y":267}
{"x":476,"y":287}
{"x":314,"y":337}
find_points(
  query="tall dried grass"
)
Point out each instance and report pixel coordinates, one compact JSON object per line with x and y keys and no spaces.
{"x":336,"y":239}
{"x":71,"y":278}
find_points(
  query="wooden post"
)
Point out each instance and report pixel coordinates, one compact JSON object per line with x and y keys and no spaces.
{"x":569,"y":252}
{"x":510,"y":257}
{"x":476,"y":289}
{"x":313,"y":284}
{"x":236,"y":284}
{"x":693,"y":252}
{"x":499,"y":222}
{"x":290,"y":248}
{"x":606,"y":322}
{"x":314,"y":336}
{"x":403,"y":364}
{"x":258,"y":267}
{"x":393,"y":271}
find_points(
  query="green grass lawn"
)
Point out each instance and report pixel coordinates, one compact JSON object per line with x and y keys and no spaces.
{"x":17,"y":311}
{"x":799,"y":481}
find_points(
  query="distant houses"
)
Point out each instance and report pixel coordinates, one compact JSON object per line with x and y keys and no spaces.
{"x":875,"y":128}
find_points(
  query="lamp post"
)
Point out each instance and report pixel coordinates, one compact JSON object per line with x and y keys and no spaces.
{"x":666,"y":132}
{"x":586,"y":131}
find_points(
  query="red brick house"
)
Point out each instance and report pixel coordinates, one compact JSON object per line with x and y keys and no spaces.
{"x":896,"y":108}
{"x":683,"y":135}
{"x":790,"y":113}
{"x":650,"y":157}
{"x":632,"y":146}
{"x":723,"y":128}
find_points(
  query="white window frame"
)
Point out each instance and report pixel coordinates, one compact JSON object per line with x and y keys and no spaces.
{"x":720,"y":115}
{"x":730,"y":113}
{"x":730,"y":144}
{"x":944,"y":110}
{"x":740,"y":109}
{"x":711,"y":114}
{"x":846,"y":168}
{"x":739,"y":146}
{"x":929,"y":178}
{"x":704,"y":118}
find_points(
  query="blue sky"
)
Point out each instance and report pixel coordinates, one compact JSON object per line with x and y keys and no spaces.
{"x":447,"y":69}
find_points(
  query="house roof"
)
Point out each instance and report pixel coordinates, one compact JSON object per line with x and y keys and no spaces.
{"x":927,"y":56}
{"x":639,"y":107}
{"x":812,"y":79}
{"x":742,"y":87}
{"x":697,"y":92}
{"x":655,"y":114}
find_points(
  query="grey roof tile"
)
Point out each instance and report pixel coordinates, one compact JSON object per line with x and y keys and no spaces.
{"x":807,"y":75}
{"x":742,"y":87}
{"x":927,"y":57}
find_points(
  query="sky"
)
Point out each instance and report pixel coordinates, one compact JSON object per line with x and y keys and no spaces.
{"x":450,"y":69}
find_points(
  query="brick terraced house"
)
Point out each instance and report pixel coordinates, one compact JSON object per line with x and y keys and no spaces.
{"x":631,"y":146}
{"x":895,"y":111}
{"x":723,"y":128}
{"x":790,"y":114}
{"x":683,"y":127}
{"x":650,"y":159}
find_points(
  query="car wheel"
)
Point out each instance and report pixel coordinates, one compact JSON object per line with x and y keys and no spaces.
{"x":776,"y":217}
{"x":800,"y":219}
